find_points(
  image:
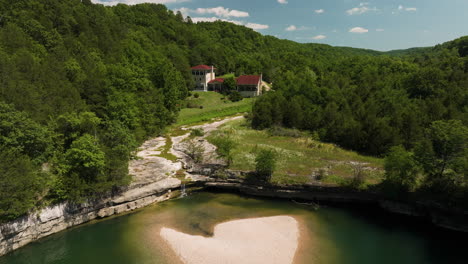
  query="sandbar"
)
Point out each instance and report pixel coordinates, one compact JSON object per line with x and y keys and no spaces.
{"x":256,"y":240}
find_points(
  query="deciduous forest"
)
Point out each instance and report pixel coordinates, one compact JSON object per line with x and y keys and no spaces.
{"x":82,"y":85}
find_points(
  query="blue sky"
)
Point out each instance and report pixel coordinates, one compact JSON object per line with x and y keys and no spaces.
{"x":373,"y":24}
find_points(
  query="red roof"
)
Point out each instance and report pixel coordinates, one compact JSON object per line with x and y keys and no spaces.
{"x":202,"y":67}
{"x":217,"y":80}
{"x":248,"y":80}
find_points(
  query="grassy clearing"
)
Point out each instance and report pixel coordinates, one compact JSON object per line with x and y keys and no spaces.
{"x":228,"y":75}
{"x":299,"y":158}
{"x":213,"y":106}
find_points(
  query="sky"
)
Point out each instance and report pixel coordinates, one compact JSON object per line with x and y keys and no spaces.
{"x":374,"y":24}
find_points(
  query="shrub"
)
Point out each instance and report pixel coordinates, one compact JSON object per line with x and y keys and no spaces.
{"x":195,"y":150}
{"x":265,"y":164}
{"x":197,"y":132}
{"x":196,"y":95}
{"x":359,"y":177}
{"x":235,"y":96}
{"x":224,"y":145}
{"x":192,"y":105}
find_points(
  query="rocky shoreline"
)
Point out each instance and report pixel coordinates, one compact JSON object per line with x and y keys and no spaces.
{"x":155,"y":179}
{"x":54,"y":219}
{"x":438,"y":216}
{"x":57,"y":218}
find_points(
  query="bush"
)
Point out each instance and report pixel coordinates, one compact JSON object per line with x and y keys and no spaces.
{"x":359,"y":177}
{"x":196,"y":95}
{"x":195,"y":150}
{"x":265,"y":164}
{"x":235,"y":96}
{"x":224,"y":145}
{"x":192,"y":105}
{"x":197,"y":132}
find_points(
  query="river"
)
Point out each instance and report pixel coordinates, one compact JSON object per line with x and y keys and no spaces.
{"x":328,"y":235}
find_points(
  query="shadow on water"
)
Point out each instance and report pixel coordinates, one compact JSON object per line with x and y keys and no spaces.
{"x":328,"y":235}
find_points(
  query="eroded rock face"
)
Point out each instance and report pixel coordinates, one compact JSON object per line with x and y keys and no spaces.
{"x":152,"y":182}
{"x":54,"y":219}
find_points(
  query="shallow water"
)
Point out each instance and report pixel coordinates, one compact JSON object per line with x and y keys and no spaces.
{"x":329,"y":235}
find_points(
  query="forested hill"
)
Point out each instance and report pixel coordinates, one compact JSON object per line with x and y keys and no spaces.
{"x":81,"y":85}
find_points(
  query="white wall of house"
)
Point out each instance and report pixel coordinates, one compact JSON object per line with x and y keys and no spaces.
{"x":202,"y":78}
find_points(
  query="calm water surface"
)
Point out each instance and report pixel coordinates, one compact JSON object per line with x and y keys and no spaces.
{"x":329,"y":235}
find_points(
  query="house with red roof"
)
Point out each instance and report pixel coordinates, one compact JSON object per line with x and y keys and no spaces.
{"x":249,"y":85}
{"x":205,"y":80}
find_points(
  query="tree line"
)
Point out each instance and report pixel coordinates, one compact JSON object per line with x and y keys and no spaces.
{"x":82,"y":85}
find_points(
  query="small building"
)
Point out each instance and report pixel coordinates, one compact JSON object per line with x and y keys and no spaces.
{"x":216,"y":85}
{"x":202,"y":75}
{"x":205,"y":80}
{"x":249,"y":85}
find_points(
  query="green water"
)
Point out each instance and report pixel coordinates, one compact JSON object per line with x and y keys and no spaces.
{"x":330,"y":235}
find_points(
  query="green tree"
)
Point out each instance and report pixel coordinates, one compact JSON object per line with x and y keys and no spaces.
{"x":224,"y":147}
{"x":401,"y":171}
{"x":265,"y":163}
{"x":20,"y":133}
{"x":19,"y":186}
{"x":82,"y":168}
{"x":229,"y":85}
{"x":443,"y":155}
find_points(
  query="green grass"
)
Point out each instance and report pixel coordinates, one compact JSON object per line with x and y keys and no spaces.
{"x":213,"y":107}
{"x":228,"y":75}
{"x":165,"y":150}
{"x":298,"y":157}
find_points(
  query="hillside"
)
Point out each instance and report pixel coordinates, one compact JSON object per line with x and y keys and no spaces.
{"x":82,"y":85}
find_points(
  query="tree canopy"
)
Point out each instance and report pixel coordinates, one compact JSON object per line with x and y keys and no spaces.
{"x":82,"y":84}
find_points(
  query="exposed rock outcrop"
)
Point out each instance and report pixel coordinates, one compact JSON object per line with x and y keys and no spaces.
{"x":59,"y":217}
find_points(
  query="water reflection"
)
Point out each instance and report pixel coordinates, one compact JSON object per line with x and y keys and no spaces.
{"x":328,"y":235}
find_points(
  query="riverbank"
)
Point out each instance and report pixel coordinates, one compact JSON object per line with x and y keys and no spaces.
{"x":51,"y":220}
{"x":155,"y":179}
{"x":439,"y":216}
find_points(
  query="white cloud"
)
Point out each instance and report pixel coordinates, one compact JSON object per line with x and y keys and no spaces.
{"x":318,"y":37}
{"x":294,"y":28}
{"x":361,"y":9}
{"x":319,"y":11}
{"x":358,"y":30}
{"x":283,"y":2}
{"x":256,"y":26}
{"x":134,"y":2}
{"x":291,"y":28}
{"x":408,"y":9}
{"x":380,"y":30}
{"x":217,"y":11}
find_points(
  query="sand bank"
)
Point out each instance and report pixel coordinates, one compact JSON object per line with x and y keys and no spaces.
{"x":258,"y":240}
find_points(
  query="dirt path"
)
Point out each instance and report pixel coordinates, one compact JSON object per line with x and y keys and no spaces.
{"x":150,"y":167}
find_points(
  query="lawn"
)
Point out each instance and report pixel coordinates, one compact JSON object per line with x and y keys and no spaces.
{"x":299,"y":158}
{"x":213,"y":105}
